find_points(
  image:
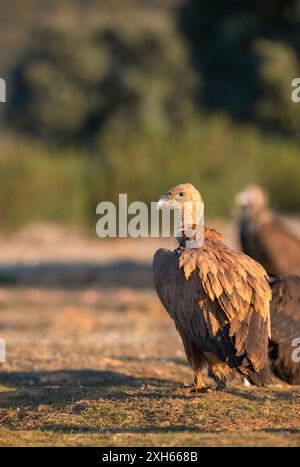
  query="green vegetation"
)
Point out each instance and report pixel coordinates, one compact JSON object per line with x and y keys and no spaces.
{"x":137,"y":103}
{"x":71,"y":84}
{"x":247,"y":54}
{"x":66,"y":185}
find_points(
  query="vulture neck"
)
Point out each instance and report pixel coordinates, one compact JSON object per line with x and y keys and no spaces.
{"x":257,"y":217}
{"x":190,"y":231}
{"x":208,"y":234}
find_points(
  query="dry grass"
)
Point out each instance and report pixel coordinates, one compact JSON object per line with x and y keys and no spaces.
{"x":101,"y":366}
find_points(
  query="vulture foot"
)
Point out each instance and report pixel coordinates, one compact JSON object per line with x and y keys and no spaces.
{"x":192,"y":388}
{"x":220,"y":387}
{"x":200,"y":390}
{"x":186,"y":387}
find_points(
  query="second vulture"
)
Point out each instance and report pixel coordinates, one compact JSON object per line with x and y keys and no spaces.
{"x":264,"y":236}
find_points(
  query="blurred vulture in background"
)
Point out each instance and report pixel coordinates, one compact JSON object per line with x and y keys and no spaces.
{"x":263,"y":235}
{"x":285,"y":327}
{"x":218,"y":298}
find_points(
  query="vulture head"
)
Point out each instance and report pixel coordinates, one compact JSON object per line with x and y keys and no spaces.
{"x":186,"y":200}
{"x":253,"y":199}
{"x":178,"y":195}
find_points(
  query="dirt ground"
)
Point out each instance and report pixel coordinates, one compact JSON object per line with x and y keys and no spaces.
{"x":93,"y":359}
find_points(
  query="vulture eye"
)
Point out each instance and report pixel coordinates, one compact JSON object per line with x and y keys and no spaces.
{"x":181,"y":193}
{"x":169,"y":193}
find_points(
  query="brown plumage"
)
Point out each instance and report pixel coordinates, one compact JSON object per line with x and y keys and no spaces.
{"x":219,"y":300}
{"x":285,"y":325}
{"x":263,"y":235}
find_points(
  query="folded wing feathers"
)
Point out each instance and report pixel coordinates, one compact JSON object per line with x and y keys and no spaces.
{"x":239,"y":286}
{"x":224,"y":289}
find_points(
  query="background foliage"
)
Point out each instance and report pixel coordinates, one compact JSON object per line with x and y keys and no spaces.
{"x":136,"y":96}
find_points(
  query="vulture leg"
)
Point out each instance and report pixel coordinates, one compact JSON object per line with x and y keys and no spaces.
{"x":196,"y":359}
{"x":198,"y":385}
{"x":218,"y":370}
{"x":219,"y":376}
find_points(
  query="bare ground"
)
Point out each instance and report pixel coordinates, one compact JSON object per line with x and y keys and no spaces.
{"x":93,"y":359}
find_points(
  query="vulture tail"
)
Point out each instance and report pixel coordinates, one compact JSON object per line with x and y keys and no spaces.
{"x":257,"y":378}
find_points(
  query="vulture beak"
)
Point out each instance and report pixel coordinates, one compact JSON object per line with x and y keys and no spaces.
{"x":163,"y":202}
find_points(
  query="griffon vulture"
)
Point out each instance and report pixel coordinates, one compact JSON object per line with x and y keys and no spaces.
{"x":219,"y":299}
{"x":264,"y":237}
{"x":285,"y":326}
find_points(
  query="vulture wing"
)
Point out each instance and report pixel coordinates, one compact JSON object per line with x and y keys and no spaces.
{"x":285,"y":308}
{"x":282,"y":247}
{"x":220,"y":299}
{"x":285,"y":319}
{"x":272,"y":244}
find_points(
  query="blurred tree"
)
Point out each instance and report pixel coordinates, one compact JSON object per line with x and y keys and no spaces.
{"x":70,"y":85}
{"x":239,"y":74}
{"x":279,"y":65}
